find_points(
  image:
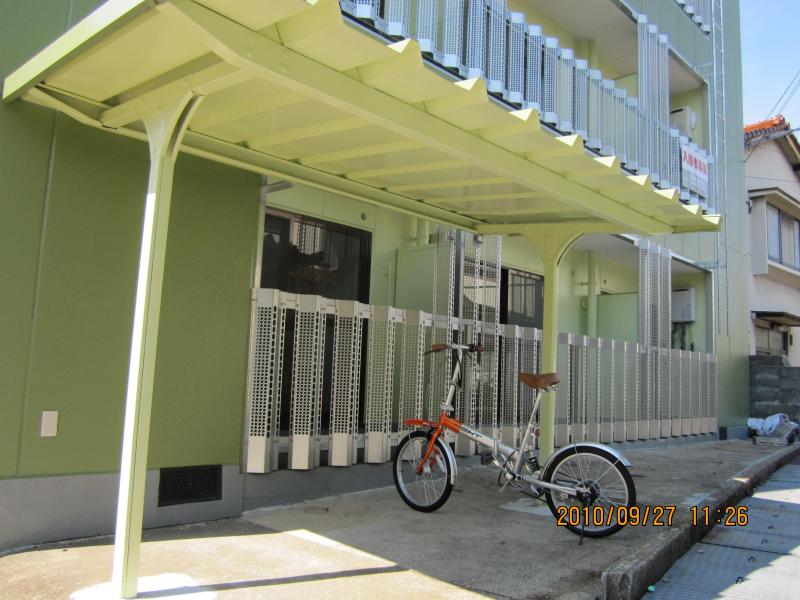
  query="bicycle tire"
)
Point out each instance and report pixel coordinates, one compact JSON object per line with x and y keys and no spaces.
{"x":609,"y":462}
{"x":436,"y":490}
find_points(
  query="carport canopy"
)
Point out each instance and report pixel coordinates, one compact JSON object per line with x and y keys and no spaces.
{"x":295,"y":89}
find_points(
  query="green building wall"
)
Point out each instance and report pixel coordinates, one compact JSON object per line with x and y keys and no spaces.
{"x":72,"y":207}
{"x":72,"y":203}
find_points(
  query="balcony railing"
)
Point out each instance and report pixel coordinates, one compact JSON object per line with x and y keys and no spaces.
{"x":699,"y":11}
{"x":525,"y":69}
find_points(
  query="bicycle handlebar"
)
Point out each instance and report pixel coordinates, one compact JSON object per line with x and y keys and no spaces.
{"x":467,"y":348}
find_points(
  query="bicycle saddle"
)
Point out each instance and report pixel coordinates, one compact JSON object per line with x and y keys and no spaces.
{"x":539,"y":382}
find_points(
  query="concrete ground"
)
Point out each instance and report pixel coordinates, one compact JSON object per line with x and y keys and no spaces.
{"x":758,"y":560}
{"x":370,"y":545}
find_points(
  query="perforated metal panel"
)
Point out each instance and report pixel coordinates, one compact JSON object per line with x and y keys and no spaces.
{"x":515,"y":58}
{"x":307,"y":373}
{"x":620,"y":124}
{"x":653,"y":105}
{"x":606,"y":389}
{"x":578,"y":389}
{"x":363,"y":9}
{"x":608,"y":124}
{"x":412,"y":366}
{"x":549,"y":112}
{"x":346,"y":382}
{"x":380,"y":382}
{"x":450,"y":33}
{"x":645,"y":101}
{"x":592,"y":378}
{"x":580,"y":107}
{"x":528,"y":363}
{"x":423,"y":21}
{"x":496,"y":46}
{"x":489,"y":294}
{"x":265,"y":382}
{"x":632,"y":132}
{"x":619,"y":391}
{"x":676,"y":392}
{"x":665,"y":317}
{"x":712,"y":391}
{"x":533,"y":67}
{"x":565,"y":89}
{"x":471,"y":272}
{"x":674,"y":158}
{"x":509,"y":391}
{"x":564,"y":406}
{"x":644,"y":391}
{"x":686,"y":393}
{"x":396,"y":17}
{"x":475,"y":39}
{"x":631,"y":391}
{"x":662,"y":45}
{"x":595,"y":109}
{"x":443,"y":322}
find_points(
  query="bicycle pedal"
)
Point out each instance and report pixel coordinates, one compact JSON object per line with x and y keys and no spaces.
{"x":487,"y":458}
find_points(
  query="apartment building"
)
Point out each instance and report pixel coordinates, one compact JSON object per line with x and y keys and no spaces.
{"x":231,"y":230}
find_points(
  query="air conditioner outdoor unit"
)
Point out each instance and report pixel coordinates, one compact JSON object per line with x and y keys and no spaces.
{"x":684,"y":305}
{"x":683,"y":119}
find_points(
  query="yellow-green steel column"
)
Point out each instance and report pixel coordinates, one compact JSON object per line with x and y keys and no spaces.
{"x":165,"y":128}
{"x":591,"y":297}
{"x":552,"y":246}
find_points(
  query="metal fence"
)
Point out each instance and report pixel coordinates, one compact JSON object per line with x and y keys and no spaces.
{"x":524,"y":68}
{"x":615,"y":391}
{"x":610,"y":390}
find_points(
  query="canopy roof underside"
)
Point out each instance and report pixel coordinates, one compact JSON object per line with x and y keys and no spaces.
{"x":296,"y":89}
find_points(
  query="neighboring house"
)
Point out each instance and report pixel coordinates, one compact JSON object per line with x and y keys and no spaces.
{"x":320,"y":151}
{"x":772,"y":169}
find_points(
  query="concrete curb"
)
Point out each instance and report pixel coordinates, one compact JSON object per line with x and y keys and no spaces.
{"x":629,"y":578}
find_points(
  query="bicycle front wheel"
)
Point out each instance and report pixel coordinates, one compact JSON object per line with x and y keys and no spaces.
{"x":610,"y":488}
{"x":430,"y":489}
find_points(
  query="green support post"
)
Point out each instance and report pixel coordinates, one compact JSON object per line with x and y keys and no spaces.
{"x":591,"y":297}
{"x":165,"y":128}
{"x":552,"y":243}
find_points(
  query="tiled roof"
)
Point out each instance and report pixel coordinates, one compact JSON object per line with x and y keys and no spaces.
{"x":777,"y":123}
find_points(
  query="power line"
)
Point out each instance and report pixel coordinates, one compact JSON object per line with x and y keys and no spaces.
{"x":790,"y":96}
{"x":792,"y":85}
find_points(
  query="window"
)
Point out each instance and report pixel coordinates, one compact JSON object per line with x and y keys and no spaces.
{"x":783,"y":237}
{"x":774,"y":233}
{"x":796,"y":237}
{"x":788,"y":240}
{"x":307,"y":256}
{"x":522,"y":298}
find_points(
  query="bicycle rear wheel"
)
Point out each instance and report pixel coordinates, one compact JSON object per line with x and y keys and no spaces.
{"x":429,"y":490}
{"x":609,"y":483}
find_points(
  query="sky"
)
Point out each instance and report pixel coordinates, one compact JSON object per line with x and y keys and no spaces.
{"x":770,"y":56}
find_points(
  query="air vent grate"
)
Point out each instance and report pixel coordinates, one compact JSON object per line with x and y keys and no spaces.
{"x":183,"y":485}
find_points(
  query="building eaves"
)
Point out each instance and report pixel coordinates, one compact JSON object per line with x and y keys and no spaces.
{"x":775,"y":129}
